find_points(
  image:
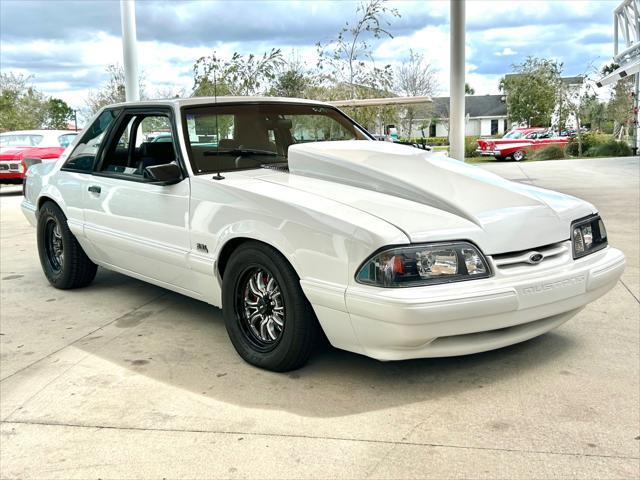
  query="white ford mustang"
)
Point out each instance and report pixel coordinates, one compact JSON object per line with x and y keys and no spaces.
{"x":288,"y":215}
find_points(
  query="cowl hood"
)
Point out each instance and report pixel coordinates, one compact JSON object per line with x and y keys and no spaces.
{"x":511,"y":216}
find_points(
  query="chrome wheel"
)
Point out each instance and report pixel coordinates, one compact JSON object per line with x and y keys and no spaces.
{"x":261,"y":308}
{"x":518,"y":156}
{"x":54,"y":246}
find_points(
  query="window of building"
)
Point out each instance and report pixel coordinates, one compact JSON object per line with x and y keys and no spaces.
{"x":494,"y":127}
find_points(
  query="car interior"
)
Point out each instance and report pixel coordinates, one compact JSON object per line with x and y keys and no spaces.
{"x":136,"y":149}
{"x":232,"y":137}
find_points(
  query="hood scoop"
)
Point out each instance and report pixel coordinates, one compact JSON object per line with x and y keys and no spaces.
{"x":409,"y":173}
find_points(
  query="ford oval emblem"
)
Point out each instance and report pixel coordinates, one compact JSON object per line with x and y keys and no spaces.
{"x":535,"y":258}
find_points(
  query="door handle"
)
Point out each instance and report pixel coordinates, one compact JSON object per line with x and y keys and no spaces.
{"x":95,"y":189}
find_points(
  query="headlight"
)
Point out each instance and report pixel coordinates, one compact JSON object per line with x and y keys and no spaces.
{"x":588,"y":235}
{"x":425,"y":264}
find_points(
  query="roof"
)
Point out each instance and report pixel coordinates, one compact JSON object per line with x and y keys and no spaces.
{"x":194,"y":101}
{"x":474,"y":106}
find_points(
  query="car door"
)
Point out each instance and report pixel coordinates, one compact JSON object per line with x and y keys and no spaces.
{"x":135,"y":224}
{"x":77,"y":170}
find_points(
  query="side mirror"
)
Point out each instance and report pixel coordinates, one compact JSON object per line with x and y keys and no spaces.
{"x":165,"y":174}
{"x":31,"y":161}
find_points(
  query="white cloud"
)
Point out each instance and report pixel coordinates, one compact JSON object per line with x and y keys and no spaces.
{"x":506,"y":52}
{"x":499,"y":33}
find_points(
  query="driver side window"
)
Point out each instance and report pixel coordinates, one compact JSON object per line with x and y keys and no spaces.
{"x":84,"y":154}
{"x":142,"y":140}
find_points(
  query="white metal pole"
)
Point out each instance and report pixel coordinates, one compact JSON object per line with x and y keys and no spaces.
{"x":129,"y":50}
{"x":456,"y":84}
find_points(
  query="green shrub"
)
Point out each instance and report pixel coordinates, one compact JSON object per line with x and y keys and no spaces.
{"x":551,"y":152}
{"x":589,"y":141}
{"x":433,"y":141}
{"x":470,"y":146}
{"x":612,"y":148}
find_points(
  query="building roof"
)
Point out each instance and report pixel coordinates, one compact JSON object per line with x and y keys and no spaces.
{"x":474,"y":106}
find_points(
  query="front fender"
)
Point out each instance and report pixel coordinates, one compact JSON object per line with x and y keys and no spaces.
{"x":321,"y":238}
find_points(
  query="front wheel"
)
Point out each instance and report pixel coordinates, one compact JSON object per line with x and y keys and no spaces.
{"x":518,"y":156}
{"x":269,"y":320}
{"x":63,"y":261}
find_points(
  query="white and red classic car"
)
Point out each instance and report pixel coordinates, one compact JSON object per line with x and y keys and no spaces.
{"x":17,"y":147}
{"x":517,"y":143}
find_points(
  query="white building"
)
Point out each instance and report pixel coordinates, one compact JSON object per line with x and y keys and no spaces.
{"x":486,"y":115}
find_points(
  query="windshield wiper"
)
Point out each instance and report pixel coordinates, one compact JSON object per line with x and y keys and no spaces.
{"x":241,"y":152}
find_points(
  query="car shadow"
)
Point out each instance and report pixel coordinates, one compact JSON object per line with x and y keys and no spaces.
{"x":183,"y":343}
{"x":11,"y":191}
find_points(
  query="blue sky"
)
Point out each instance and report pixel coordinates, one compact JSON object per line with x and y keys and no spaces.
{"x":66,"y":45}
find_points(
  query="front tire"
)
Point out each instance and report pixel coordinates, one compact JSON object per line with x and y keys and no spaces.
{"x":63,"y":261}
{"x":269,"y":320}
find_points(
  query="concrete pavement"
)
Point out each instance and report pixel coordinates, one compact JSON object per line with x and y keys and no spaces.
{"x":126,"y":380}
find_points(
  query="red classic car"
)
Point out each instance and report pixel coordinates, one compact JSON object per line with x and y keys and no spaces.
{"x":15,"y":147}
{"x":518,"y":142}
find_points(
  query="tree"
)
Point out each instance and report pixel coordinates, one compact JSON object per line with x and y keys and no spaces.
{"x":238,"y":75}
{"x":620,"y":106}
{"x":468,"y":89}
{"x":59,"y":114}
{"x":347,"y":67}
{"x":23,"y":107}
{"x":113,"y":91}
{"x":594,"y":112}
{"x":532,"y":91}
{"x":415,"y":78}
{"x":292,"y":80}
{"x":348,"y":58}
{"x":167,"y":93}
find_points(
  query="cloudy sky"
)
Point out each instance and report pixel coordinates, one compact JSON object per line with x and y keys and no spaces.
{"x":66,"y":45}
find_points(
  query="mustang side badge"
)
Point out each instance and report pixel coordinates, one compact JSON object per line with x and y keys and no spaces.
{"x":201,"y":247}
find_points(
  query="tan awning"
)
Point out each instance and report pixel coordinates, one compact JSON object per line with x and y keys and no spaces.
{"x":379,"y":102}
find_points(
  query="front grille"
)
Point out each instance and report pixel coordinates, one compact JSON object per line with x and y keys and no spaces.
{"x":14,"y":166}
{"x":4,"y":166}
{"x":526,"y":258}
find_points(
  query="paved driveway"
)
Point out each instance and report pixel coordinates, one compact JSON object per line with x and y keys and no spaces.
{"x":127,"y":380}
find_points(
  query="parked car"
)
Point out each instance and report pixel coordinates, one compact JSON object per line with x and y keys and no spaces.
{"x":16,"y":147}
{"x":391,"y":251}
{"x":516,"y":143}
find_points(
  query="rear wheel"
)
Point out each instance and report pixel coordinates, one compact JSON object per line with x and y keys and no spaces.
{"x":269,"y":320}
{"x":63,"y":261}
{"x":518,"y":156}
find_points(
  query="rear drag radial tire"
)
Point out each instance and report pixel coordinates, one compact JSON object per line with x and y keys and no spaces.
{"x":76,"y":270}
{"x":301,"y":330}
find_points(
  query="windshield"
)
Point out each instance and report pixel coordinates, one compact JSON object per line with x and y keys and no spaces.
{"x":20,"y":140}
{"x":226,"y":137}
{"x":513,"y":134}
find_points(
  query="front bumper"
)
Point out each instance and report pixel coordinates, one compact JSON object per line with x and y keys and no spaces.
{"x":470,"y":317}
{"x":11,"y":176}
